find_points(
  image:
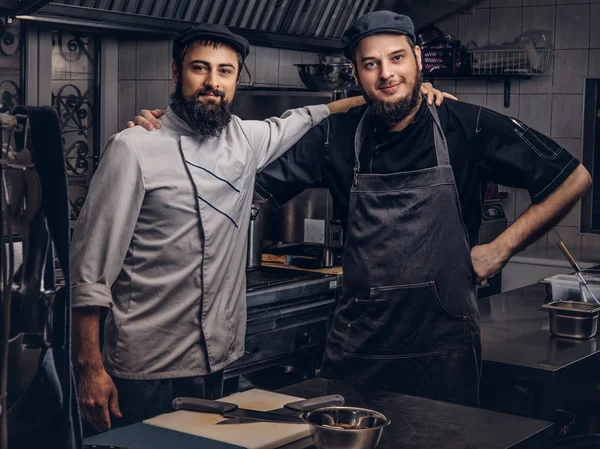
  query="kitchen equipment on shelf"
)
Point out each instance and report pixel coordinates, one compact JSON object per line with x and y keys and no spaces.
{"x":331,"y":76}
{"x":230,"y":410}
{"x":295,"y":408}
{"x":586,"y":293}
{"x":310,"y":219}
{"x":573,"y":319}
{"x":345,"y":427}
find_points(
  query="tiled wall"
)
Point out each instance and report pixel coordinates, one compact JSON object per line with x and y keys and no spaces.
{"x":550,"y":104}
{"x":145,"y":73}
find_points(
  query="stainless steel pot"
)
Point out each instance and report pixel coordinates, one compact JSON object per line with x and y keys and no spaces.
{"x":255,"y":236}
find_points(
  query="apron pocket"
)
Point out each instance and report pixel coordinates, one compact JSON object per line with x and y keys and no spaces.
{"x":403,"y":321}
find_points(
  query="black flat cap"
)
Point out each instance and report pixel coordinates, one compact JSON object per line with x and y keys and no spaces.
{"x":378,"y":22}
{"x":214,"y":32}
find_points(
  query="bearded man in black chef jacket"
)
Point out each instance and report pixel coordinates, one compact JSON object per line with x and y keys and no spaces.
{"x":409,"y":179}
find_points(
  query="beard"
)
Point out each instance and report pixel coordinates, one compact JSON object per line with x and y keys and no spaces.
{"x":206,"y":118}
{"x":396,"y":110}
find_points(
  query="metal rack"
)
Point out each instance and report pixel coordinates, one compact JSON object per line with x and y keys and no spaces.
{"x":512,"y":62}
{"x":507,"y":63}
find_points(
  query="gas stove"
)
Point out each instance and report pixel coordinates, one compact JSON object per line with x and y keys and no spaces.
{"x":271,"y":276}
{"x":288,"y":317}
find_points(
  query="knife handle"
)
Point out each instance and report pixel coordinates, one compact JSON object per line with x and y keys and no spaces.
{"x":203,"y":405}
{"x":314,"y":403}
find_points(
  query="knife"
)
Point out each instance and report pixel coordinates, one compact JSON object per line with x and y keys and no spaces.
{"x":229,"y":410}
{"x":295,"y":408}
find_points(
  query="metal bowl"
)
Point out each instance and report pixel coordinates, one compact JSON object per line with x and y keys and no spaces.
{"x":345,"y":427}
{"x":326,"y":77}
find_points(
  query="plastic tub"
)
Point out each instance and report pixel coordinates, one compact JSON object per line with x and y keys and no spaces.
{"x":565,"y":287}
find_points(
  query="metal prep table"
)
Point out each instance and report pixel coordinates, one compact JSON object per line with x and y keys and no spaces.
{"x":526,"y":369}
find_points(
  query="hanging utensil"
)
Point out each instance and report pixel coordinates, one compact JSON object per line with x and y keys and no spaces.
{"x":586,"y":293}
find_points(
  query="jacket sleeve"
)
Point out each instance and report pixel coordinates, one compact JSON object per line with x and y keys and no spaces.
{"x":301,"y":168}
{"x":105,"y":227}
{"x":272,"y":137}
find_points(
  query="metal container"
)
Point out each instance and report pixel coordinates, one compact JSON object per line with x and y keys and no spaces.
{"x":362,"y":428}
{"x":326,"y":77}
{"x":255,"y":238}
{"x":573,"y":319}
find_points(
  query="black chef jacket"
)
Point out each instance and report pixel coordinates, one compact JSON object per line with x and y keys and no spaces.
{"x":484,"y":146}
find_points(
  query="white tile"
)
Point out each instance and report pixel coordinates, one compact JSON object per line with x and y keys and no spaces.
{"x":449,"y":25}
{"x":127,"y":67}
{"x":448,"y":86}
{"x":267,"y":59}
{"x":250,"y":66}
{"x":497,"y":86}
{"x":482,"y":4}
{"x":471,"y":86}
{"x":569,"y":235}
{"x":594,"y":63}
{"x":152,"y":59}
{"x":571,"y":2}
{"x":509,"y":205}
{"x":477,"y":99}
{"x":539,"y":18}
{"x":522,"y":202}
{"x":505,"y":24}
{"x":505,"y":3}
{"x":169,"y":65}
{"x":595,"y":29}
{"x":474,"y":27}
{"x":590,"y":243}
{"x":536,"y":85}
{"x":288,"y":73}
{"x":310,"y":57}
{"x":538,"y":2}
{"x":150,"y":94}
{"x":572,"y":217}
{"x":566,"y":115}
{"x":573,"y":146}
{"x":169,"y":88}
{"x":534,"y":111}
{"x":495,"y":102}
{"x":126,"y":106}
{"x":570,"y":69}
{"x":572,"y":26}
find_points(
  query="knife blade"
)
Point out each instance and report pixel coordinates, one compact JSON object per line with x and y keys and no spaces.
{"x":295,"y":408}
{"x":229,"y":410}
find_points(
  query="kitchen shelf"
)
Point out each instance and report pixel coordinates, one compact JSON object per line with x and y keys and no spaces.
{"x":502,"y":64}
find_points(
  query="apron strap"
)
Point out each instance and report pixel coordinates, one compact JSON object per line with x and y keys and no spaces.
{"x":359,"y":139}
{"x":441,"y":146}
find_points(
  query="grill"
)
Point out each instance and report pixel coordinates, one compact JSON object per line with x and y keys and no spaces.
{"x":270,"y":276}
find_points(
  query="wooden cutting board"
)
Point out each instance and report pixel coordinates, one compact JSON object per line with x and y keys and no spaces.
{"x":259,"y":435}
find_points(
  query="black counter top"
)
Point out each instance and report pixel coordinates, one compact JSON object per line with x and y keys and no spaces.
{"x":516,"y":339}
{"x":419,"y":423}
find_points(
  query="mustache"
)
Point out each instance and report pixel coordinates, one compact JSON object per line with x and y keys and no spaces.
{"x":384,"y":85}
{"x":209,"y":90}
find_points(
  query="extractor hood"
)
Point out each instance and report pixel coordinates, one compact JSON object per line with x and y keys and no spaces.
{"x":311,"y":25}
{"x":14,"y":7}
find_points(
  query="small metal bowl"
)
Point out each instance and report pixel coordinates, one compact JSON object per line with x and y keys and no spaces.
{"x":326,"y":77}
{"x":345,"y":427}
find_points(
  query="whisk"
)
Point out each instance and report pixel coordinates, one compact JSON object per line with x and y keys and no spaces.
{"x":586,"y":294}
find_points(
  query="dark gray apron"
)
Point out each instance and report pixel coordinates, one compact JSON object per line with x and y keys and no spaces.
{"x":407,"y":320}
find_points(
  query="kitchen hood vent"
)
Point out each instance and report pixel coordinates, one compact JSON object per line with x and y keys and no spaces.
{"x":15,"y":7}
{"x":311,"y":25}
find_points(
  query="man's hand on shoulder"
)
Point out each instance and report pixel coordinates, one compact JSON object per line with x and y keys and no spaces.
{"x":435,"y":95}
{"x":148,"y":119}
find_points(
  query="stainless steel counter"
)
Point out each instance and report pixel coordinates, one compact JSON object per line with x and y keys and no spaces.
{"x":526,"y":369}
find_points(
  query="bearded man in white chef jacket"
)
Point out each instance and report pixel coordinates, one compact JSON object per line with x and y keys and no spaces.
{"x":161,"y":240}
